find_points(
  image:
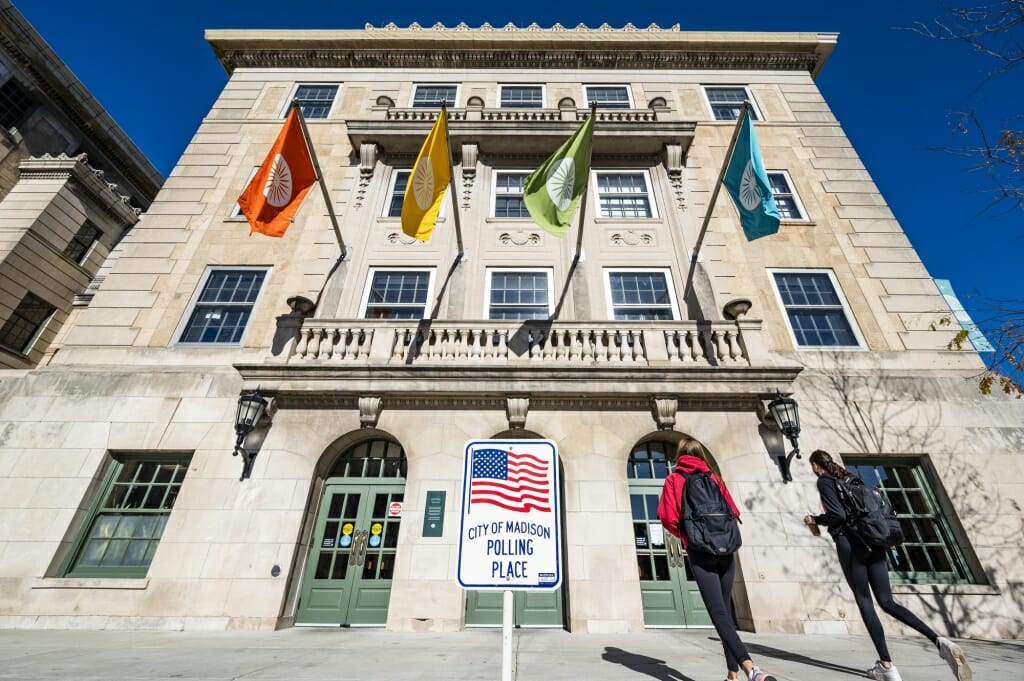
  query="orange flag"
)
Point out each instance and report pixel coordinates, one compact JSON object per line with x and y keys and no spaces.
{"x":278,"y":187}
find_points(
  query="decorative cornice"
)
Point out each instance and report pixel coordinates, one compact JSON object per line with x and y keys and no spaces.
{"x":76,"y":169}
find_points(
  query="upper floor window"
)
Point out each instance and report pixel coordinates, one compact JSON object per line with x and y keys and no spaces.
{"x":624,"y":195}
{"x":315,"y":100}
{"x":81,"y":242}
{"x":519,"y":294}
{"x":640,"y":294}
{"x":432,"y":95}
{"x":817,"y":313}
{"x":399,"y":181}
{"x":522,"y":96}
{"x":25,"y":324}
{"x":220,"y":312}
{"x":608,"y":96}
{"x":726,"y":102}
{"x":397,"y":294}
{"x":786,"y":199}
{"x":508,"y":194}
{"x":128,"y":518}
{"x":15,"y":104}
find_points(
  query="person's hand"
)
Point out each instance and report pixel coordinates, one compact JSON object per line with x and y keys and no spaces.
{"x":809,"y":520}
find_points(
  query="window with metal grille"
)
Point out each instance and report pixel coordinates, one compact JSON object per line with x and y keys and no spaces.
{"x":508,"y":195}
{"x":15,"y":104}
{"x":433,"y":95}
{"x":726,"y":102}
{"x":522,"y":96}
{"x":650,"y":461}
{"x":930,"y":552}
{"x":222,"y":309}
{"x":315,"y":100}
{"x":785,"y":197}
{"x":817,"y":314}
{"x":82,"y":241}
{"x":126,"y":523}
{"x":638,"y":295}
{"x":400,"y":180}
{"x":623,"y":195}
{"x":519,"y":294}
{"x":376,"y":458}
{"x":26,"y":322}
{"x":397,"y":294}
{"x":609,"y":96}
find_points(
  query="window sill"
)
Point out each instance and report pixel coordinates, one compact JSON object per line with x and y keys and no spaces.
{"x":236,"y":218}
{"x":90,"y":583}
{"x":947,"y":589}
{"x":388,"y":220}
{"x":520,"y":221}
{"x":801,"y":223}
{"x":627,"y":221}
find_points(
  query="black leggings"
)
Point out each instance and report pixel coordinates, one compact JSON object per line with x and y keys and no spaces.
{"x":714,"y":576}
{"x":866,"y":571}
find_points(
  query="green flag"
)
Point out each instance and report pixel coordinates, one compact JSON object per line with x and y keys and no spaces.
{"x":552,"y":192}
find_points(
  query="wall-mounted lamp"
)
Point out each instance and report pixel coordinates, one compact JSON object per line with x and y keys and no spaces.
{"x":251,"y":408}
{"x":786,"y":415}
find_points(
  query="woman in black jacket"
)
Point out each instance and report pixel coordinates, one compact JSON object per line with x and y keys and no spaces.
{"x":866,"y":571}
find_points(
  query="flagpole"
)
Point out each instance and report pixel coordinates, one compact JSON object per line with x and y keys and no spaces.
{"x":586,"y":185}
{"x":320,"y":178}
{"x":714,"y":196}
{"x":451,"y":182}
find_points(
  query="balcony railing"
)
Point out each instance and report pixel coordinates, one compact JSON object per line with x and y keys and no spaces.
{"x":481,"y":114}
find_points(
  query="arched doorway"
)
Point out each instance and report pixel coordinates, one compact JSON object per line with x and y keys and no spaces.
{"x":669,"y":595}
{"x":347,"y":578}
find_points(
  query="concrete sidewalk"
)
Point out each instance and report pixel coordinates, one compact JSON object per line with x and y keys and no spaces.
{"x":336,"y":654}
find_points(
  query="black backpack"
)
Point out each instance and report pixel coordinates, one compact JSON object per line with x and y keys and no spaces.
{"x":707,"y":521}
{"x":869,"y":515}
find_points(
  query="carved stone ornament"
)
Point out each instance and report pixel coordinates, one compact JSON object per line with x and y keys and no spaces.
{"x":516,"y":408}
{"x":519,"y":238}
{"x":367,"y":164}
{"x":470,"y":153}
{"x":632,"y":237}
{"x":402,"y":238}
{"x":674,"y":167}
{"x":665,"y":412}
{"x":369,"y":411}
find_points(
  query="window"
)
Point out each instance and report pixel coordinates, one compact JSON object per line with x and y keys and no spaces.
{"x":640,"y":294}
{"x":15,"y":104}
{"x":24,"y":325}
{"x":125,"y":525}
{"x":236,"y":211}
{"x":508,"y":195}
{"x":81,"y":242}
{"x":519,"y":294}
{"x":314,"y":100}
{"x":608,"y":96}
{"x":623,"y":195}
{"x":785,"y":198}
{"x":522,"y":96}
{"x":726,"y":102}
{"x":817,"y":314}
{"x":397,"y":294}
{"x":432,"y":95}
{"x":222,"y":309}
{"x":399,"y":181}
{"x":930,"y":553}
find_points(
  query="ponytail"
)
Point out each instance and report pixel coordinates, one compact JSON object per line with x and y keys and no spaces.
{"x":825,"y":460}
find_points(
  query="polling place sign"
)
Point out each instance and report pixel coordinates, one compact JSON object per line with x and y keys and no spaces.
{"x":509,"y":537}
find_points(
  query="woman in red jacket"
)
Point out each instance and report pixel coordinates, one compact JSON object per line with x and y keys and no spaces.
{"x":714,"y":574}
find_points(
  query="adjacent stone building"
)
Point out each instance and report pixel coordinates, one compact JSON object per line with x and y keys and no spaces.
{"x":120,"y":500}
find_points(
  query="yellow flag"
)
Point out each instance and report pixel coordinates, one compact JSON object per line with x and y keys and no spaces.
{"x":425,"y":190}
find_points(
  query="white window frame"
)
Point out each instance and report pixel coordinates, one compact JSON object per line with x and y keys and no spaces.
{"x":543,"y":94}
{"x":746,"y":89}
{"x":295,"y":90}
{"x":669,"y":282}
{"x":623,"y":171}
{"x":494,"y":192}
{"x":236,"y":212}
{"x":629,"y":95}
{"x":850,"y":318}
{"x":792,"y":192}
{"x":417,"y":86}
{"x":392,"y":181}
{"x":371,"y":272}
{"x":210,"y":269}
{"x":547,"y":271}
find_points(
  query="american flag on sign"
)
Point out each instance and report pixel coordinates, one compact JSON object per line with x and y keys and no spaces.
{"x":509,"y":480}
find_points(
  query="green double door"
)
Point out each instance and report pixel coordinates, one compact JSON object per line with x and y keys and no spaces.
{"x":347,"y":579}
{"x":667,"y":590}
{"x":531,"y":608}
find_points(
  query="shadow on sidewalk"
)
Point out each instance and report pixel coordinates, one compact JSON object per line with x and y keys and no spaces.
{"x":768,"y":651}
{"x":651,"y":666}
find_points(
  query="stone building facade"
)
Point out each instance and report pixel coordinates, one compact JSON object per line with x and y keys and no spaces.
{"x":121,"y":502}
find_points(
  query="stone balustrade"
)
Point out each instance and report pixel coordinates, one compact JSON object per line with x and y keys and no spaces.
{"x":523,"y":115}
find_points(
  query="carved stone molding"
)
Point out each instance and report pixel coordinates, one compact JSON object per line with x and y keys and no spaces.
{"x":674,"y":167}
{"x":367,"y":164}
{"x":632,"y":237}
{"x":665,"y":412}
{"x":516,"y":408}
{"x":470,"y":152}
{"x":369,"y":411}
{"x":402,"y":238}
{"x":519,"y":238}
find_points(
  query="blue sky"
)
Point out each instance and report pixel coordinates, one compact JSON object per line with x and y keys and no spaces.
{"x":892,"y":90}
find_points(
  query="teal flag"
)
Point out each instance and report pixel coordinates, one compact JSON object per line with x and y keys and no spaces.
{"x":748,"y":185}
{"x":552,"y":192}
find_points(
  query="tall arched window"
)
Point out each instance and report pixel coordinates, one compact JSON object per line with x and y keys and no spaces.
{"x":377,"y":458}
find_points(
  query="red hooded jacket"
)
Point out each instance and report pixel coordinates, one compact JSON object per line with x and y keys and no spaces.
{"x":670,"y":507}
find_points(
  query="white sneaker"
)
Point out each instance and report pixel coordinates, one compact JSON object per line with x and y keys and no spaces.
{"x":881,"y":673}
{"x":955,"y":658}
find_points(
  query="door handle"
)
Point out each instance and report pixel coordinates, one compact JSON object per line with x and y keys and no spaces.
{"x":358,"y":554}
